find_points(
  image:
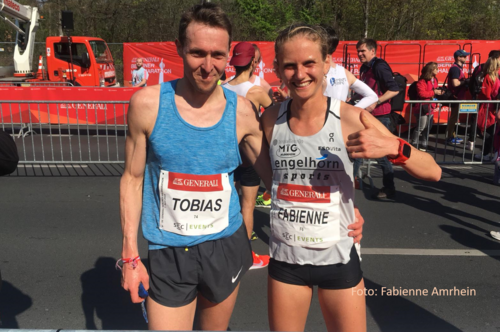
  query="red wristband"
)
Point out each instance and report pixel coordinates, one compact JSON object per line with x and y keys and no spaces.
{"x":132,"y":261}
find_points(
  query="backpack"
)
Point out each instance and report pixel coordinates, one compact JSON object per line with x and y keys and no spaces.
{"x":398,"y":101}
{"x":412,"y":91}
{"x":476,"y":81}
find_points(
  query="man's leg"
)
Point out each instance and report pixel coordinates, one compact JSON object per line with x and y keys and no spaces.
{"x":215,"y":316}
{"x":167,"y":318}
{"x":452,"y":120}
{"x":248,"y":196}
{"x":389,"y":189}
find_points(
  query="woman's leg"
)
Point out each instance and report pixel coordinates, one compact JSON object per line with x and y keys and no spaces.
{"x":288,"y":305}
{"x":344,"y":309}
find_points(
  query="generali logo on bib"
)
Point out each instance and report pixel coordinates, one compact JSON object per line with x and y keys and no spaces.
{"x":192,"y":182}
{"x":308,"y":194}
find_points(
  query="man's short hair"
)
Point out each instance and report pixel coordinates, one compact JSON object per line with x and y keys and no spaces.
{"x":371,"y":44}
{"x":333,"y":38}
{"x":207,"y":13}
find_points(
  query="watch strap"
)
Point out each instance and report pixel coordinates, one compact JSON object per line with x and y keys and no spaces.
{"x":401,"y":158}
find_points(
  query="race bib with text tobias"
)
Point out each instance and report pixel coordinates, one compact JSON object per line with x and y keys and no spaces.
{"x":306,"y":216}
{"x":194,"y":204}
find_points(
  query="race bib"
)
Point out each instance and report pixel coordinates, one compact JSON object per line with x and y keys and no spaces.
{"x":306,"y":216}
{"x":194,"y":204}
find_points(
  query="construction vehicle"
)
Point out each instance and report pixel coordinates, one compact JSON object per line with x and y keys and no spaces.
{"x":70,"y":60}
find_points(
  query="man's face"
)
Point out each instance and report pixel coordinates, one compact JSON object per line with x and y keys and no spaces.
{"x":204,"y":56}
{"x":364,"y":54}
{"x":462,"y":59}
{"x":138,"y":63}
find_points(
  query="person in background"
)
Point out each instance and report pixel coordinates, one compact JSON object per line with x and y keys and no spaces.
{"x":427,"y":89}
{"x":458,"y":85}
{"x":243,"y":60}
{"x":339,"y":80}
{"x":377,"y":74}
{"x":139,"y":75}
{"x":487,"y":112}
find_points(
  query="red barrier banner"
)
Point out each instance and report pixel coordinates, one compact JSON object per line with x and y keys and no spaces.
{"x":97,"y":111}
{"x":404,"y":56}
{"x":162,"y":62}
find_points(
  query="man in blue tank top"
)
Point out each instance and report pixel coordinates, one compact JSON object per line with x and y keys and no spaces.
{"x":179,"y":184}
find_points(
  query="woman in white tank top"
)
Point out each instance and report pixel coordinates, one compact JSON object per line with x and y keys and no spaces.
{"x":312,"y":139}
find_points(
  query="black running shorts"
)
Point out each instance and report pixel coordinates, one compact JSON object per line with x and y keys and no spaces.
{"x":335,"y":276}
{"x":213,"y":268}
{"x":247,"y":176}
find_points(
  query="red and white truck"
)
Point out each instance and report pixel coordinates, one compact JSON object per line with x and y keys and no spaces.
{"x":81,"y":61}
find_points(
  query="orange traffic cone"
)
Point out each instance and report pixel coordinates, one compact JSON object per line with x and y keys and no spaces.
{"x":39,"y":73}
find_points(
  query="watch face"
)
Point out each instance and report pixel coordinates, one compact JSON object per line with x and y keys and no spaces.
{"x":406,"y":151}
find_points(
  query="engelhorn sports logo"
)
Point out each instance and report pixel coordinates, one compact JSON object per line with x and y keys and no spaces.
{"x":192,"y":182}
{"x":323,"y":157}
{"x":297,"y":193}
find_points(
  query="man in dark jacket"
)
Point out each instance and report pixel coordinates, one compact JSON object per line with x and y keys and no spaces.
{"x":377,"y":74}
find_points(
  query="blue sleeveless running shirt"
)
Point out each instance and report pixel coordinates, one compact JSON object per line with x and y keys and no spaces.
{"x":189,"y":195}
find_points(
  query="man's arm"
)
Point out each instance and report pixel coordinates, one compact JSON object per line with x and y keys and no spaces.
{"x":384,"y":74}
{"x":131,"y":183}
{"x":366,"y":137}
{"x":251,"y":140}
{"x":142,"y":83}
{"x":453,"y":75}
{"x":369,"y":96}
{"x":259,"y":97}
{"x":266,"y":87}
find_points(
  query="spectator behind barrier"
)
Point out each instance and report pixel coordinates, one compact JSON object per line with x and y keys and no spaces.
{"x":377,"y":74}
{"x":475,"y":85}
{"x":427,"y":89}
{"x":486,"y":115}
{"x":458,"y":85}
{"x":8,"y":154}
{"x":139,"y":75}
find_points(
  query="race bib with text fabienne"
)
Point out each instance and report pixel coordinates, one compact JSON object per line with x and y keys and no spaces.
{"x":306,"y":216}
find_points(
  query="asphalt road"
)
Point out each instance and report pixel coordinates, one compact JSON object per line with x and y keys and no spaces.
{"x":60,"y":237}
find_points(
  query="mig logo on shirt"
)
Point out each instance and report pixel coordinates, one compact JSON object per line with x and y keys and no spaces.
{"x":192,"y":182}
{"x":306,"y":194}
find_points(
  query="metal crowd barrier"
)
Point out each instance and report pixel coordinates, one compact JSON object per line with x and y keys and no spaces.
{"x":473,"y":141}
{"x":62,"y":132}
{"x":83,"y":132}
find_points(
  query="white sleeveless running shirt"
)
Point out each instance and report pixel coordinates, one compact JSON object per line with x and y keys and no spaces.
{"x":240,"y":89}
{"x":257,"y":80}
{"x":312,"y":194}
{"x":337,"y":85}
